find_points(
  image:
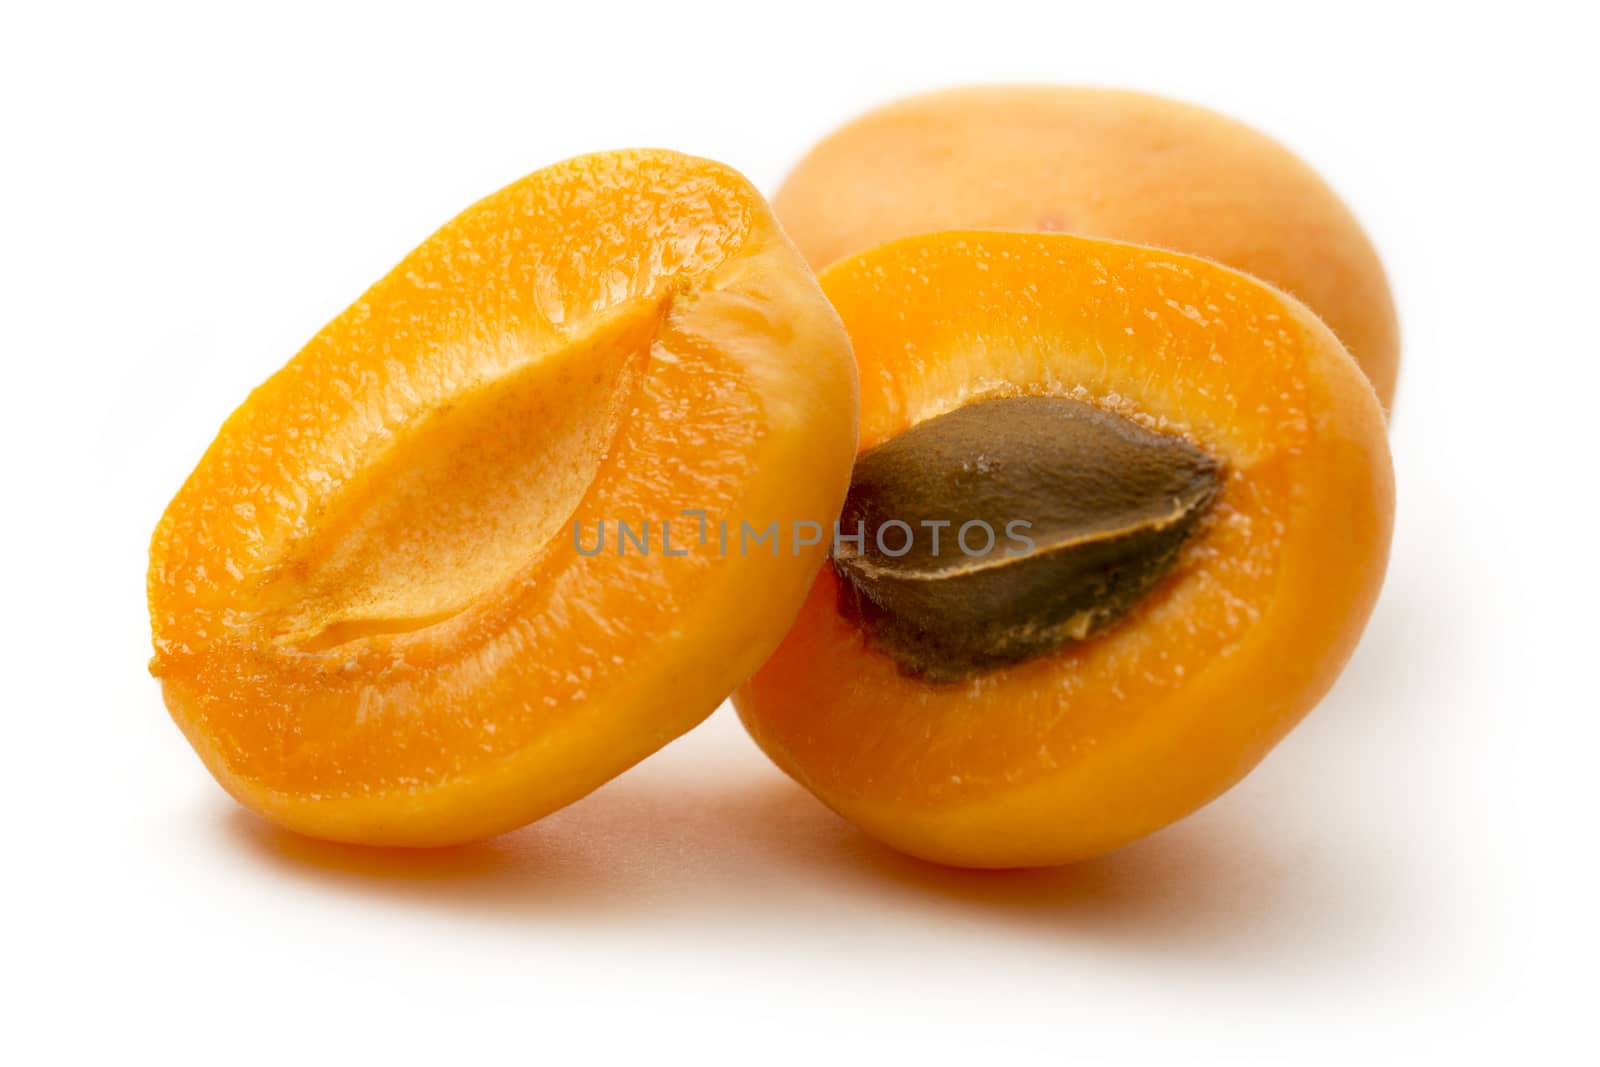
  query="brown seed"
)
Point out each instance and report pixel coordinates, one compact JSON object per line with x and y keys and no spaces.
{"x":1010,"y":528}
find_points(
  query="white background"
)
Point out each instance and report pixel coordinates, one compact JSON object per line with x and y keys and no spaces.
{"x":189,"y":195}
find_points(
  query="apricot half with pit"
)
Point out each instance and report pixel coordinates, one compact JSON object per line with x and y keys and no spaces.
{"x":448,"y":569}
{"x":1118,"y":522}
{"x":1100,"y":163}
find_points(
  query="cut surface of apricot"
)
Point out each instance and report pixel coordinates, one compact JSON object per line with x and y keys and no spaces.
{"x":1206,"y":497}
{"x":448,"y":569}
{"x":1102,"y":163}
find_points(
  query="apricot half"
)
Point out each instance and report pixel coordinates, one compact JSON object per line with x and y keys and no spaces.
{"x":449,"y":569}
{"x":1102,"y":163}
{"x":1165,"y":495}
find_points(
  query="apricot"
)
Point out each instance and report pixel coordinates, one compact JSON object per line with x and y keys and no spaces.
{"x":1101,"y":163}
{"x":1180,"y":498}
{"x":448,"y":569}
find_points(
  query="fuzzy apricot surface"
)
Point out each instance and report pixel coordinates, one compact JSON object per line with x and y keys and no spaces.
{"x":370,"y":615}
{"x":1101,"y":163}
{"x":1077,"y":752}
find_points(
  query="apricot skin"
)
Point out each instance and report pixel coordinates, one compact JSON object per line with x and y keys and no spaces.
{"x":1101,"y":163}
{"x":1081,"y":751}
{"x":368,"y":615}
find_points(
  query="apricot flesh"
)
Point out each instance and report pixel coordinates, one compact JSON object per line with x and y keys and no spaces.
{"x":370,"y":613}
{"x":1078,"y":750}
{"x":1101,"y":163}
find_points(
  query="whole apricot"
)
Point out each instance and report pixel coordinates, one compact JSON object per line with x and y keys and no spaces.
{"x":1102,"y":163}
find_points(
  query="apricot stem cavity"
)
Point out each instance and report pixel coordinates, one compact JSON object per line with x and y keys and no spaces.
{"x":1010,"y":528}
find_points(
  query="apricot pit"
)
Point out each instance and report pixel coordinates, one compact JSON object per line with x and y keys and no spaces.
{"x":1093,"y":505}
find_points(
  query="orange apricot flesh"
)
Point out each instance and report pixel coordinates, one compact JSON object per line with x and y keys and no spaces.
{"x":1079,"y":750}
{"x":378,"y":610}
{"x":1101,"y":163}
